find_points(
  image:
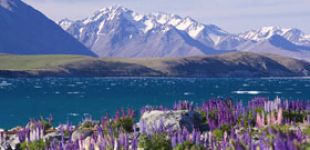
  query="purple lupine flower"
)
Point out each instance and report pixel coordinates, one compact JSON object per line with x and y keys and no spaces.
{"x":134,"y":143}
{"x":173,"y":140}
{"x":299,"y":135}
{"x":193,"y":136}
{"x":143,"y":126}
{"x":197,"y":138}
{"x":180,"y":138}
{"x":185,"y":134}
{"x":126,"y":142}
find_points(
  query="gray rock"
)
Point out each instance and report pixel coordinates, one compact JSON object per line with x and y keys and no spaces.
{"x":4,"y":145}
{"x":14,"y":141}
{"x":52,"y":136}
{"x":11,"y":142}
{"x":15,"y":129}
{"x":174,"y":120}
{"x":81,"y":134}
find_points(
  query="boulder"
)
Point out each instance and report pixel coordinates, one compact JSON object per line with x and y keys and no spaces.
{"x":16,"y":129}
{"x":81,"y":134}
{"x":52,"y":136}
{"x":14,"y":141}
{"x":173,"y":120}
{"x":11,"y":142}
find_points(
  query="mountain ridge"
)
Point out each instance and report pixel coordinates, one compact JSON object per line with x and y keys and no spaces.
{"x":91,"y":30}
{"x":25,"y":30}
{"x":235,"y":64}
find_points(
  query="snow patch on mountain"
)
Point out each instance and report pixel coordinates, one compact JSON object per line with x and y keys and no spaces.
{"x":292,"y":34}
{"x":116,"y":27}
{"x":118,"y":31}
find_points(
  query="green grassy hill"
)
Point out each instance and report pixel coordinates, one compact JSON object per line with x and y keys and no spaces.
{"x":32,"y":62}
{"x":226,"y":65}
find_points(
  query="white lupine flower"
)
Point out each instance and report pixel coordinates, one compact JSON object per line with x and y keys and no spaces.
{"x":86,"y":144}
{"x":80,"y":144}
{"x":41,"y":134}
{"x":37,"y":134}
{"x":32,"y":136}
{"x":115,"y":144}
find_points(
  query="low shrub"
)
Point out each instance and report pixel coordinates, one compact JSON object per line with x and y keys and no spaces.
{"x":157,"y":141}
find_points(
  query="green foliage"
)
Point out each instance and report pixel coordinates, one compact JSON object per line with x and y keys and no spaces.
{"x":213,"y":114}
{"x":218,"y":133}
{"x":188,"y":146}
{"x":87,"y":125}
{"x":259,"y":110}
{"x":36,"y":145}
{"x":295,"y":116}
{"x":46,"y":124}
{"x":305,"y":146}
{"x":307,"y":132}
{"x":125,"y":123}
{"x":29,"y":62}
{"x":246,"y":120}
{"x":284,"y":128}
{"x":226,"y":128}
{"x":203,"y":115}
{"x":154,"y":142}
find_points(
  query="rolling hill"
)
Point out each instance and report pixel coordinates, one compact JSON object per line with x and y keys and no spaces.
{"x":238,"y":64}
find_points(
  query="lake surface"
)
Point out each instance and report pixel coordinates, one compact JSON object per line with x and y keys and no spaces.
{"x":69,"y":99}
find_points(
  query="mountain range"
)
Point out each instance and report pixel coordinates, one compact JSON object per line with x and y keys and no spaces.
{"x":131,"y":44}
{"x":24,"y":30}
{"x":120,"y":32}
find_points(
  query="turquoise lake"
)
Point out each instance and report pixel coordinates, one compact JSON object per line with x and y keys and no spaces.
{"x":70,"y":99}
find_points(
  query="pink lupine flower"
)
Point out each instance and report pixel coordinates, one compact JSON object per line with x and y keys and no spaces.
{"x":225,"y":136}
{"x":268,"y":119}
{"x":272,"y":119}
{"x":280,"y":116}
{"x":260,"y":121}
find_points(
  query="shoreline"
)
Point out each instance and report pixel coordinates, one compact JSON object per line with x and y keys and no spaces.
{"x":216,"y":122}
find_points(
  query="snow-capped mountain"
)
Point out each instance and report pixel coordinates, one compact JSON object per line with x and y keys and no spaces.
{"x":278,"y":45}
{"x":293,"y":35}
{"x":120,"y":32}
{"x":24,"y":30}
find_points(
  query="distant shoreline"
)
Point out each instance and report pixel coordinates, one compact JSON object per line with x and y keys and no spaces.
{"x":232,"y":65}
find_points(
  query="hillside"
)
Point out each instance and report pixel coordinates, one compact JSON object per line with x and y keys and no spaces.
{"x":27,"y":31}
{"x":239,"y":64}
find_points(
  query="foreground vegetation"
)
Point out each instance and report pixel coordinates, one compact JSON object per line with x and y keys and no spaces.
{"x":221,"y":124}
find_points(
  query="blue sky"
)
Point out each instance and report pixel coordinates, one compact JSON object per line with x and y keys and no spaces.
{"x":231,"y":15}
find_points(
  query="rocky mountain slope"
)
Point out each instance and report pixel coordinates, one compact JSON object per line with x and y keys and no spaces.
{"x":120,"y":32}
{"x":24,"y":30}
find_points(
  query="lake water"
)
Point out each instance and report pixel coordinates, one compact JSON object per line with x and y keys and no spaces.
{"x":69,"y":99}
